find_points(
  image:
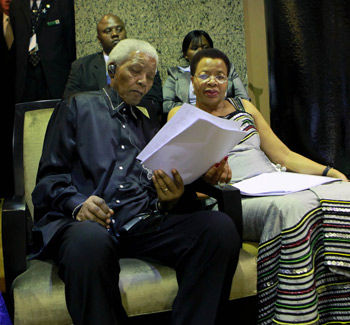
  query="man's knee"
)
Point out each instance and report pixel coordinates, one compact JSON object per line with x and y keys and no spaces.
{"x":220,"y":229}
{"x":87,"y":243}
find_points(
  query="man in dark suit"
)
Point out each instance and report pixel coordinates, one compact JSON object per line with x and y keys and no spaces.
{"x":7,"y":98}
{"x":90,"y":73}
{"x":45,"y":47}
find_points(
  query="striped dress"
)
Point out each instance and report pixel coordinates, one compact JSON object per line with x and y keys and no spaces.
{"x":304,"y":250}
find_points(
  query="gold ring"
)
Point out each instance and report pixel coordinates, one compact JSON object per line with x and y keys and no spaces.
{"x":165,"y":189}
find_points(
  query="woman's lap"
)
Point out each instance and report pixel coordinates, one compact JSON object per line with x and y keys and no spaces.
{"x":301,"y":252}
{"x":266,"y":216}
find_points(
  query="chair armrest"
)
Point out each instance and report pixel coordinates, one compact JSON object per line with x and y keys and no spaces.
{"x":14,"y":236}
{"x":228,"y":198}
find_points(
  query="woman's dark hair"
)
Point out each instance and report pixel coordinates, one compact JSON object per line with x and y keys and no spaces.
{"x":209,"y":53}
{"x":195,"y":35}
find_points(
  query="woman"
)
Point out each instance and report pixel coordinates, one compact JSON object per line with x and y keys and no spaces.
{"x":304,"y":237}
{"x":178,"y":88}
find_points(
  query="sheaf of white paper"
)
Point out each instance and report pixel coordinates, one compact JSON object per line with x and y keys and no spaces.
{"x":280,"y":183}
{"x":191,"y":142}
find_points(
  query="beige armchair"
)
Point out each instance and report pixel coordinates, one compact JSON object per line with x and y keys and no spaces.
{"x":38,"y":292}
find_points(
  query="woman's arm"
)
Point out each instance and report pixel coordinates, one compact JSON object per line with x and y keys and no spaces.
{"x":279,"y":153}
{"x":169,"y":93}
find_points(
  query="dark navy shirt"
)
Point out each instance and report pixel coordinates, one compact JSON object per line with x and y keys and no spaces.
{"x":90,"y":148}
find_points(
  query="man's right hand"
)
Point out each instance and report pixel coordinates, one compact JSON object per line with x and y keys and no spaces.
{"x":95,"y":209}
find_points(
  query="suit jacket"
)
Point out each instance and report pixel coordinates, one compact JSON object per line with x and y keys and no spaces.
{"x":6,"y":112}
{"x":56,"y":40}
{"x":89,"y":73}
{"x":6,"y":54}
{"x":177,"y":85}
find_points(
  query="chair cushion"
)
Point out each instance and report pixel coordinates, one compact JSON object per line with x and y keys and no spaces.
{"x":145,"y":288}
{"x":38,"y":295}
{"x":33,"y":139}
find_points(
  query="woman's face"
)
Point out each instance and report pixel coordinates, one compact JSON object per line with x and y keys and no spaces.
{"x":195,"y":46}
{"x":210,"y":82}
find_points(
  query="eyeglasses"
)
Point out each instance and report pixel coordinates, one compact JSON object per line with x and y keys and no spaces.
{"x":206,"y":77}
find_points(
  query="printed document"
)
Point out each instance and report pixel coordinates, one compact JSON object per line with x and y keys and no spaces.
{"x":191,"y":142}
{"x":280,"y":183}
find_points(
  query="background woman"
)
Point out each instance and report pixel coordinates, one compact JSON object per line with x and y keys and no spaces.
{"x":304,"y":239}
{"x":178,"y":88}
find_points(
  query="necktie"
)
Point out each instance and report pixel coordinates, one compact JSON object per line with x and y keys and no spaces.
{"x":8,"y":33}
{"x":34,"y":57}
{"x":35,"y":16}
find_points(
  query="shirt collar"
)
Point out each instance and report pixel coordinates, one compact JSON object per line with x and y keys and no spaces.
{"x":106,"y":57}
{"x":5,"y":20}
{"x":38,"y":2}
{"x":185,"y":69}
{"x":117,"y":104}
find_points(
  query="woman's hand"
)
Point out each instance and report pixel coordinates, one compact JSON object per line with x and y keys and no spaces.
{"x":337,"y":174}
{"x":95,"y":209}
{"x":219,"y":173}
{"x":169,"y":191}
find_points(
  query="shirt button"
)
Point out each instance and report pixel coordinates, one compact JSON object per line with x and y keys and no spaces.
{"x":122,"y":146}
{"x":117,"y":201}
{"x":121,"y":186}
{"x":121,"y":167}
{"x":123,"y":126}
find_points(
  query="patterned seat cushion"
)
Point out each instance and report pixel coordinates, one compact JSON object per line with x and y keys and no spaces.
{"x":145,"y":288}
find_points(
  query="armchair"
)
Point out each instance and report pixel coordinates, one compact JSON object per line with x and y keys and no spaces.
{"x":38,"y":292}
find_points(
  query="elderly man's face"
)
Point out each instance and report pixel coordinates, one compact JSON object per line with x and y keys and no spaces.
{"x":5,"y":6}
{"x":134,"y":77}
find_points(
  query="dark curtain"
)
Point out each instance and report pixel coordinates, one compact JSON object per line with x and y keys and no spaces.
{"x":309,"y":76}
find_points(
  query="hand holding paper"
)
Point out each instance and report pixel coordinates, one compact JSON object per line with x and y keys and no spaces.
{"x":169,"y":191}
{"x":191,"y":142}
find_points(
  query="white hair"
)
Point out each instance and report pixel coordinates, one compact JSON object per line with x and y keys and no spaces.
{"x":122,"y":50}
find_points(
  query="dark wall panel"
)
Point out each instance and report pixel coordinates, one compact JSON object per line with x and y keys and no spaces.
{"x":309,"y":71}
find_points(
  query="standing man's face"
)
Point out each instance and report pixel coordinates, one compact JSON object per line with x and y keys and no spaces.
{"x":110,"y":30}
{"x":134,"y":77}
{"x":5,"y":6}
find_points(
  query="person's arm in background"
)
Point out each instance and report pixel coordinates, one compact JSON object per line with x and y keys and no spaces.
{"x":154,"y":98}
{"x":74,"y":81}
{"x":170,"y":99}
{"x":69,"y":29}
{"x":236,"y":85}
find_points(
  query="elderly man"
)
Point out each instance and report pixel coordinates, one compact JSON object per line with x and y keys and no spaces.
{"x":90,"y":73}
{"x":96,"y":203}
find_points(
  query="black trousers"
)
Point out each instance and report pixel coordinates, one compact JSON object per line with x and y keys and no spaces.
{"x":203,"y":247}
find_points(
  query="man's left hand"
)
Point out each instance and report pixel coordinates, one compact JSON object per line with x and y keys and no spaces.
{"x":168,"y":190}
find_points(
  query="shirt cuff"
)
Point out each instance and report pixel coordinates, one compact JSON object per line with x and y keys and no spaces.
{"x":76,"y":210}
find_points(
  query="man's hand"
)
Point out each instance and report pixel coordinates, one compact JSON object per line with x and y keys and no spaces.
{"x":95,"y":209}
{"x":169,"y":191}
{"x":219,"y":173}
